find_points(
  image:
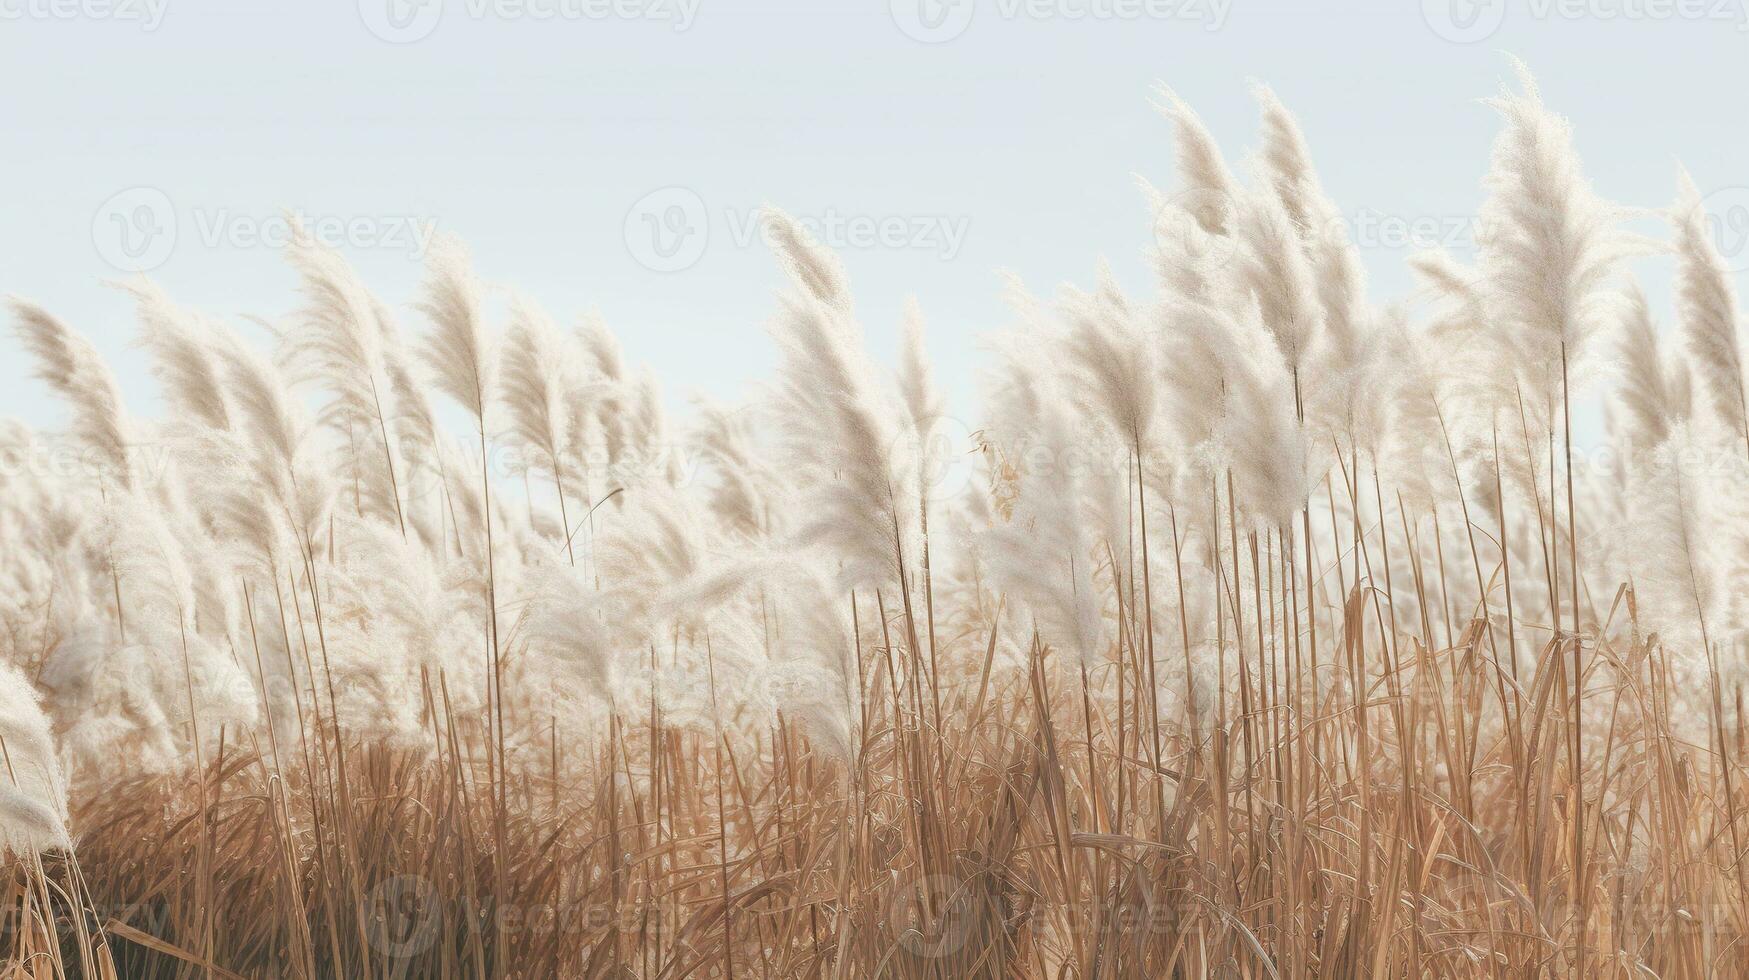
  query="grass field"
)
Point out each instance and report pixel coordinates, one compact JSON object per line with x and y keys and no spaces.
{"x":1257,"y":628}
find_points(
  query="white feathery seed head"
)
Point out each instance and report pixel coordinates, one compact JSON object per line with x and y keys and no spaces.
{"x":33,"y":793}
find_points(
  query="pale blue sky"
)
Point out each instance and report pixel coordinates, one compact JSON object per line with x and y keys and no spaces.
{"x":1009,"y":143}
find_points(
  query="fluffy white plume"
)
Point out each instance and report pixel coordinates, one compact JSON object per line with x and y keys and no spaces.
{"x":459,"y":351}
{"x":1707,"y":312}
{"x":1043,"y":555}
{"x":33,"y":795}
{"x":1209,"y":191}
{"x":1687,"y":546}
{"x":1287,"y":166}
{"x":1649,"y":394}
{"x":1278,"y":276}
{"x":1548,"y":246}
{"x":72,"y":368}
{"x":842,"y":431}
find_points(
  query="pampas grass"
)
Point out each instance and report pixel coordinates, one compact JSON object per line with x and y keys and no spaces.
{"x":1277,"y":631}
{"x":33,"y":800}
{"x":1707,"y":309}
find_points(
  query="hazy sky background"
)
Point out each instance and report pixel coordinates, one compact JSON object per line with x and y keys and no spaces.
{"x":981,"y":135}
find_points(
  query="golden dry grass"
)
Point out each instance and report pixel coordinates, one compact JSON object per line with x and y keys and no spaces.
{"x":1397,"y":755}
{"x":1427,"y":831}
